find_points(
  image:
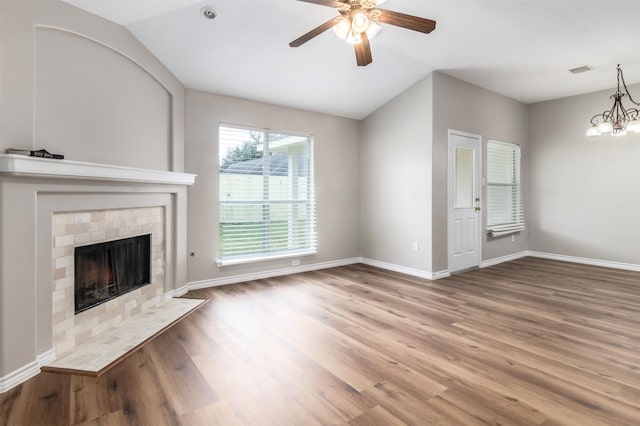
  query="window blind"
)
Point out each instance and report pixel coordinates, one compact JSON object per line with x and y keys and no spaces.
{"x":505,"y":213}
{"x":267,"y":207}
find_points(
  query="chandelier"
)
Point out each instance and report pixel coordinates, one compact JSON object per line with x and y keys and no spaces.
{"x":618,"y":120}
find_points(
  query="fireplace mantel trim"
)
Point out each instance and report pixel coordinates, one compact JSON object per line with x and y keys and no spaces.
{"x":21,"y":165}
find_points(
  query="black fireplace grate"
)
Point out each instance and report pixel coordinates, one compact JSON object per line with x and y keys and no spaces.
{"x":107,"y":270}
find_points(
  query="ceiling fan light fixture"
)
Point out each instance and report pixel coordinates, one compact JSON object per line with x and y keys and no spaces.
{"x":354,"y":38}
{"x":373,"y":30}
{"x":342,"y":28}
{"x":360,"y":22}
{"x":345,"y":30}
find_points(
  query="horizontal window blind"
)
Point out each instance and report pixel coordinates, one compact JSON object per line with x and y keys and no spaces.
{"x":505,"y":213}
{"x":266,"y":201}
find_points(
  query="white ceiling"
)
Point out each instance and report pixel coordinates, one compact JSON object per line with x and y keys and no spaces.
{"x":518,"y":48}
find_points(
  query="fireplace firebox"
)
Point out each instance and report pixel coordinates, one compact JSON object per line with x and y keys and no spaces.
{"x":106,"y":270}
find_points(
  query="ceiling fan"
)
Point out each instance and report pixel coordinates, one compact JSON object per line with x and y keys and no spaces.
{"x":358,"y":23}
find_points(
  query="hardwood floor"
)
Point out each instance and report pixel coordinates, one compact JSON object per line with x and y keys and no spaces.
{"x":528,"y":342}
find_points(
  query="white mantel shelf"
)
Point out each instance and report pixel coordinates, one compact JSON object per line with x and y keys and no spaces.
{"x":21,"y":165}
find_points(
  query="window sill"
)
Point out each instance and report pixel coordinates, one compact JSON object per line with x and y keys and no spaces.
{"x":241,"y":260}
{"x":505,"y":230}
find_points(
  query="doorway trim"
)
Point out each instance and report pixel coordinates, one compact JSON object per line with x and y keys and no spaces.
{"x":479,"y":192}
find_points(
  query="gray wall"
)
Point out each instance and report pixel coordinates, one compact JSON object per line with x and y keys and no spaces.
{"x":584,"y":196}
{"x":404,"y":169}
{"x":396,"y":180}
{"x":80,"y":85}
{"x":462,"y":106}
{"x":337,"y":179}
{"x":77,"y":84}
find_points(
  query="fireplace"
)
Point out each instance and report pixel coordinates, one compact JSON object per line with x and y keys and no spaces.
{"x":106,"y":270}
{"x":88,"y":236}
{"x":50,"y":207}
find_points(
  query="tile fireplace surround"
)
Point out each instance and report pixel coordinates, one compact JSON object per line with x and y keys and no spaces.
{"x":81,"y":228}
{"x":47,"y":207}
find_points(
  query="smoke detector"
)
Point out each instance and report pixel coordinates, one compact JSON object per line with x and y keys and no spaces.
{"x":208,"y":12}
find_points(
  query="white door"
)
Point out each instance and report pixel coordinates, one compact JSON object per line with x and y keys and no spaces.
{"x":464,"y":200}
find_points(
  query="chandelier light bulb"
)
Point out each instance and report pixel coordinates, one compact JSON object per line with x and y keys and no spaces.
{"x":605,"y":127}
{"x":633,"y":126}
{"x":593,"y":131}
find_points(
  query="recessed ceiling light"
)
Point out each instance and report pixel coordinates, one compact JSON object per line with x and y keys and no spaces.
{"x":581,"y":69}
{"x":208,"y":12}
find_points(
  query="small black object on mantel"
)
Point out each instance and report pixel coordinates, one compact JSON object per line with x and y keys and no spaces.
{"x":39,"y":153}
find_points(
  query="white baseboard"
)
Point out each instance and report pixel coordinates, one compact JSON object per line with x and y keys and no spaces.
{"x":562,"y":258}
{"x":404,"y":270}
{"x":215,"y":282}
{"x":389,"y":266}
{"x":502,"y":259}
{"x":440,"y":274}
{"x":269,"y":274}
{"x":46,"y":357}
{"x":26,"y":372}
{"x":586,"y":261}
{"x":176,"y":292}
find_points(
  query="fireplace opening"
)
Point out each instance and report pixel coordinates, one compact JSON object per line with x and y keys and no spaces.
{"x":107,"y":270}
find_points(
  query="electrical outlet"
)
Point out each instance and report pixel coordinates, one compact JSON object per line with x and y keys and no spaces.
{"x":414,"y":246}
{"x":513,"y":238}
{"x":295,"y":262}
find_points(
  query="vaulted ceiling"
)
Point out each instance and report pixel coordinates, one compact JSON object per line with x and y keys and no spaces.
{"x":519,"y":48}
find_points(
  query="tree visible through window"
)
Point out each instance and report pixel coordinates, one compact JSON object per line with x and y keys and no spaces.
{"x":266,"y":194}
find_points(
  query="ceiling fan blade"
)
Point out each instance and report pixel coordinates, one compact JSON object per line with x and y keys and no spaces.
{"x":315,"y":32}
{"x":410,"y":22}
{"x":330,"y":3}
{"x":363,"y":51}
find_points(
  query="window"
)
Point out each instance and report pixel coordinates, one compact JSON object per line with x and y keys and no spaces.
{"x":505,"y":214}
{"x":266,"y":195}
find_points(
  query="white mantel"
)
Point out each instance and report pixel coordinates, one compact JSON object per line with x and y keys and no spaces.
{"x":21,"y":165}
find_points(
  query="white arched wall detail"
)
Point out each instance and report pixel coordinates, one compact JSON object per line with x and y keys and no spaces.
{"x":94,"y":103}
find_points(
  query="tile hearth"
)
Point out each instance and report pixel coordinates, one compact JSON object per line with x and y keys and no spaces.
{"x":95,"y":356}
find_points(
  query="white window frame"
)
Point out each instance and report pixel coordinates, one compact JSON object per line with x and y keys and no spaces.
{"x":512,"y":162}
{"x":309,"y":202}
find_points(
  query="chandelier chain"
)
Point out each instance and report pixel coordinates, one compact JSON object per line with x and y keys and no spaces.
{"x":624,"y":84}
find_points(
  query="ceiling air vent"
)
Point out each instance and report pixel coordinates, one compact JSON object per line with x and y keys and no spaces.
{"x":581,"y":69}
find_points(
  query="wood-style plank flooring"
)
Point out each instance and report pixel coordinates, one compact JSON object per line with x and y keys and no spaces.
{"x":528,"y":342}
